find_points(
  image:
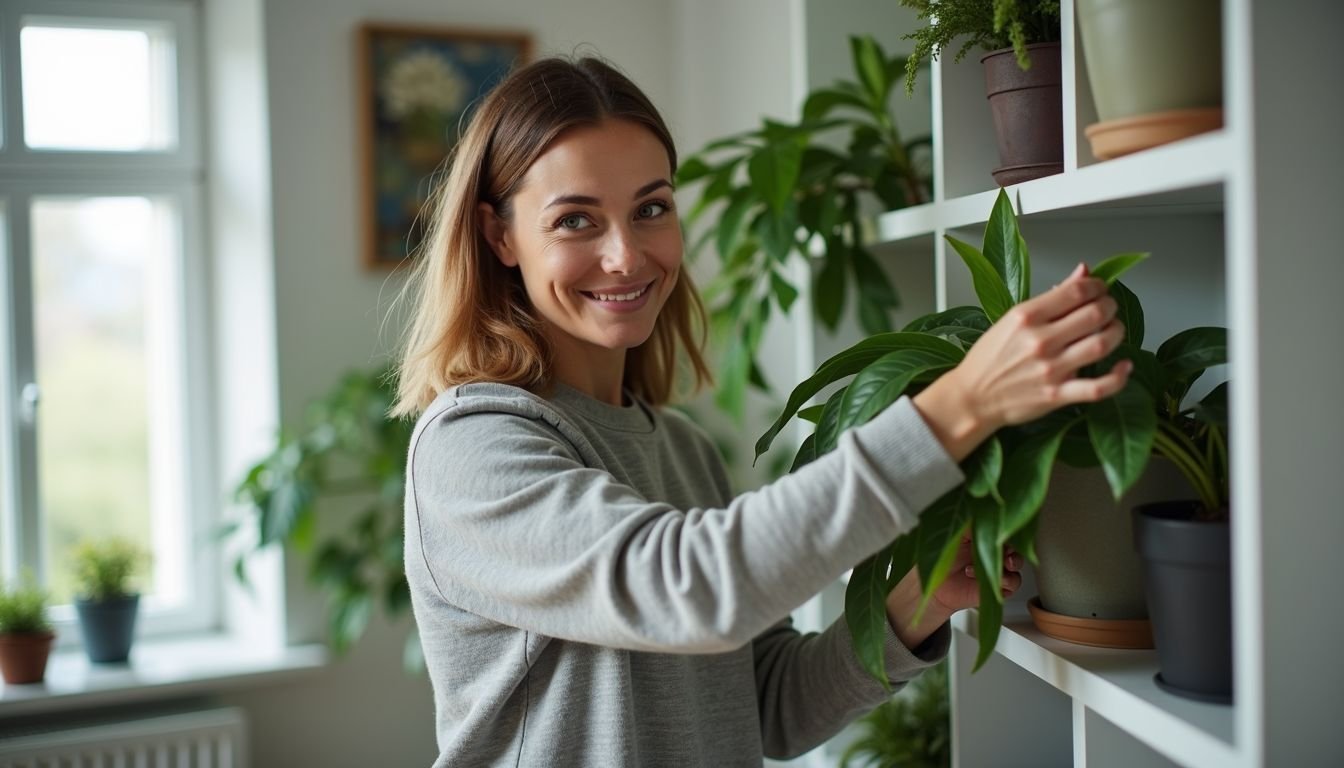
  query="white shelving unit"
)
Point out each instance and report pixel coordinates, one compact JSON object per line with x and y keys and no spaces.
{"x":1243,"y":224}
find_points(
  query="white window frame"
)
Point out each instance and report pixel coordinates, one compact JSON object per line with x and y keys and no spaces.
{"x":177,"y":174}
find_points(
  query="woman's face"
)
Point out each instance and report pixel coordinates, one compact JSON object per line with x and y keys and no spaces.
{"x":595,"y":235}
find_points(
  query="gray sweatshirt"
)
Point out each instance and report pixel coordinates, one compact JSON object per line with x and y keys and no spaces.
{"x":589,"y":592}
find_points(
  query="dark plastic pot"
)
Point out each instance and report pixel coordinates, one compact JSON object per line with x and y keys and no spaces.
{"x":1189,"y":584}
{"x":23,"y":656}
{"x":108,"y":626}
{"x":1028,"y":116}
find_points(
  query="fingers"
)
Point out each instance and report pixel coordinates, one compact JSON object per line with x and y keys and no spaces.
{"x":1081,"y":323}
{"x":1059,"y":301}
{"x":1090,"y":349}
{"x":1092,"y":390}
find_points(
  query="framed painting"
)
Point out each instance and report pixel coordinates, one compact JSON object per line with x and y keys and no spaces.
{"x":417,"y":88}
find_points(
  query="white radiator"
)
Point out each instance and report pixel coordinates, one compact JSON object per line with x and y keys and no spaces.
{"x":214,"y":738}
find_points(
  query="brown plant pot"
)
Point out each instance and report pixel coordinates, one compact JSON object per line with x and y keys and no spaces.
{"x":23,"y":656}
{"x":1028,"y":113}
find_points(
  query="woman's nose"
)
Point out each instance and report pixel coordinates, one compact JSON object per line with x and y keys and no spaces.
{"x":622,"y":254}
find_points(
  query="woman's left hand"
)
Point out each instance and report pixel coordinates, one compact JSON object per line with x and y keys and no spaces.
{"x":960,"y":590}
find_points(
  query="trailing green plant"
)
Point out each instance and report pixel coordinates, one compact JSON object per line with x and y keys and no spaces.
{"x":783,"y":190}
{"x":988,"y":24}
{"x":23,"y":607}
{"x":912,"y":730}
{"x":1006,"y":478}
{"x":103,"y":569}
{"x":350,"y":452}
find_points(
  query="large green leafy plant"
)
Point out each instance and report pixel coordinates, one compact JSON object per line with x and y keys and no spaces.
{"x":350,"y":455}
{"x":1006,"y":478}
{"x":988,"y":24}
{"x":783,"y":190}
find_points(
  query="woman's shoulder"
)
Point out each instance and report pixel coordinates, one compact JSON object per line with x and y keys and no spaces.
{"x":487,"y":414}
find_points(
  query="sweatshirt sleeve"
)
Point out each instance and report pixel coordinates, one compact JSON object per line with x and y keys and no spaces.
{"x":809,"y":686}
{"x":512,"y":525}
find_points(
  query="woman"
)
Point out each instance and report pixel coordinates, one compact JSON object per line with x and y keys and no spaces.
{"x":587,"y":589}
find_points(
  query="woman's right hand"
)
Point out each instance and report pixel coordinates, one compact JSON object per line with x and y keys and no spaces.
{"x":1026,"y":365}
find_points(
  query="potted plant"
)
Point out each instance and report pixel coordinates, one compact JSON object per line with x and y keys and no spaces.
{"x":1007,"y":477}
{"x":912,"y":730}
{"x":25,"y":633}
{"x":105,"y":602}
{"x":1139,"y":102}
{"x":1022,"y":73}
{"x":784,"y":190}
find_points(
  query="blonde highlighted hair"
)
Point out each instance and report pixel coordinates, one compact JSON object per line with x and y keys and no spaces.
{"x":472,"y":320}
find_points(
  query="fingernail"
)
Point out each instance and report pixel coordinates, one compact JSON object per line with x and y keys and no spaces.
{"x":970,"y":571}
{"x":1079,"y":270}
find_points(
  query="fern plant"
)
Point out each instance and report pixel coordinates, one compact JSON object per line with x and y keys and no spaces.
{"x":23,"y":608}
{"x":912,"y":730}
{"x":987,"y":24}
{"x":1006,"y":478}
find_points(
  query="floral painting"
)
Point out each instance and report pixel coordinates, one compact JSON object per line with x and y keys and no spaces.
{"x":419,"y":86}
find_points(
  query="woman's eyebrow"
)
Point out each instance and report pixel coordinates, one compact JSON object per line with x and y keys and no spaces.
{"x":589,"y":200}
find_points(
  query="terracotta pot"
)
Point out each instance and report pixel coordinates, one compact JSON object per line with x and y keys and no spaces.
{"x":23,"y":656}
{"x":1155,"y":69}
{"x":1189,"y":575}
{"x":1028,"y":117}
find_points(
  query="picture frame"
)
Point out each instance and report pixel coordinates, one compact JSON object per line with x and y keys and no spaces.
{"x":417,"y":87}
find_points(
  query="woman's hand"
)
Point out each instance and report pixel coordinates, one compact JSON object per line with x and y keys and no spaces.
{"x":959,"y":591}
{"x":1026,"y":365}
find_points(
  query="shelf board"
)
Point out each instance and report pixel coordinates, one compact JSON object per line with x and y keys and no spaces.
{"x":1118,"y":685}
{"x":1182,"y":177}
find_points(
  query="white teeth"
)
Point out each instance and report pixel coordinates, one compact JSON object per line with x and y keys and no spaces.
{"x":621,"y":296}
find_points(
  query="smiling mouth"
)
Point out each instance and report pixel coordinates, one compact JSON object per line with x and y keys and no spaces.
{"x":631,"y":296}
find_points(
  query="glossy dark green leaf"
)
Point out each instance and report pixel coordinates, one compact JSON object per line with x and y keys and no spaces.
{"x":807,"y":452}
{"x":983,"y":469}
{"x":828,"y":426}
{"x":1005,"y":250}
{"x":1192,"y":351}
{"x":783,"y":290}
{"x":866,"y":613}
{"x":942,"y":528}
{"x":1113,"y":267}
{"x":828,"y":295}
{"x":1121,"y":429}
{"x":904,"y":552}
{"x":1130,"y":312}
{"x":873,"y":317}
{"x":987,"y":531}
{"x":871,"y":66}
{"x":872,"y":280}
{"x":848,"y":363}
{"x":989,"y":285}
{"x":1212,"y":410}
{"x":774,"y":170}
{"x":966,"y":317}
{"x":1026,"y":475}
{"x":811,"y":413}
{"x":881,"y":383}
{"x":691,"y":169}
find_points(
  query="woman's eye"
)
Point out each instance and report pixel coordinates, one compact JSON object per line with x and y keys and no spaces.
{"x":574,"y":221}
{"x":650,"y":210}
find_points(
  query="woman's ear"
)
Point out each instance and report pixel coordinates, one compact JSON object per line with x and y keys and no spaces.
{"x":495,"y":233}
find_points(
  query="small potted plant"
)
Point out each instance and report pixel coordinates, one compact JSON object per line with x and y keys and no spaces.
{"x":1022,"y":73}
{"x":25,"y":633}
{"x":106,"y":605}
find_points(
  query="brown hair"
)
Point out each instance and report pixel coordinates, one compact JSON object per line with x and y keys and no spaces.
{"x":472,"y":318}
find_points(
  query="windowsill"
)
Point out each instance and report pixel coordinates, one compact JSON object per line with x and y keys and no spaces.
{"x":157,"y":669}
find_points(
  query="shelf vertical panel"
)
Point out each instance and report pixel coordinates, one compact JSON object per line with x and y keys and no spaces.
{"x":1285,"y":277}
{"x":970,"y":150}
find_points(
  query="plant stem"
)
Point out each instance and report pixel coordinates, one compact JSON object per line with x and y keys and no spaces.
{"x":1175,"y":446}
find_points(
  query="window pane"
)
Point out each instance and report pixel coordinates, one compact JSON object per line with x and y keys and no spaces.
{"x":106,"y":296}
{"x":7,"y":459}
{"x":97,"y":89}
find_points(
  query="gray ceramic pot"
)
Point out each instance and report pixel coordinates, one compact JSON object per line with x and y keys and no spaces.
{"x":1088,"y":565}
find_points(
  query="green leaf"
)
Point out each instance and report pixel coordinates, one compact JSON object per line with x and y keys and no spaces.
{"x":820,"y":103}
{"x":1192,"y":351}
{"x":828,"y":297}
{"x":881,"y":383}
{"x":1006,"y":251}
{"x":983,"y":469}
{"x":1026,"y":474}
{"x":941,"y":529}
{"x":871,"y":65}
{"x":775,"y":230}
{"x":811,"y":413}
{"x":397,"y":598}
{"x":1112,"y":268}
{"x":807,"y":452}
{"x":784,"y":291}
{"x":1121,"y":429}
{"x":1212,"y":410}
{"x":866,"y":613}
{"x":848,"y":363}
{"x":350,"y":618}
{"x":828,"y":426}
{"x":729,"y":227}
{"x":691,"y":169}
{"x":1129,"y":312}
{"x":964,"y":317}
{"x":412,"y":655}
{"x":774,"y":170}
{"x":989,"y":285}
{"x":987,"y":531}
{"x":731,"y":395}
{"x":872,"y":280}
